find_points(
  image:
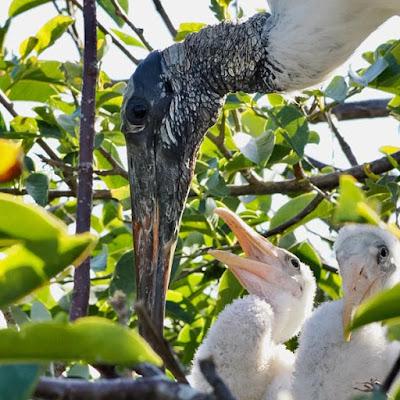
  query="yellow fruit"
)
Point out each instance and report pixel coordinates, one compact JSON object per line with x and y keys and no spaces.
{"x":10,"y":160}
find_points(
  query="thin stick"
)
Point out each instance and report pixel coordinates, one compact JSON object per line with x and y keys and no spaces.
{"x":308,"y":209}
{"x":80,"y":296}
{"x":113,"y":38}
{"x":139,"y":32}
{"x":163,"y":348}
{"x":208,"y":369}
{"x":160,"y":9}
{"x":387,"y":384}
{"x":347,"y":151}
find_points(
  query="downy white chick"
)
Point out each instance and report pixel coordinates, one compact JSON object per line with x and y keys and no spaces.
{"x":328,"y":366}
{"x":246,"y":340}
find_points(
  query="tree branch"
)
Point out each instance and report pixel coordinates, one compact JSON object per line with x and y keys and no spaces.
{"x":55,"y":194}
{"x":221,"y":391}
{"x":160,"y":9}
{"x":323,"y":182}
{"x":161,"y":346}
{"x":347,"y":151}
{"x":387,"y":384}
{"x":139,"y":32}
{"x":118,"y":170}
{"x":356,"y":110}
{"x":113,"y":38}
{"x":308,"y":209}
{"x":155,"y":388}
{"x":80,"y":295}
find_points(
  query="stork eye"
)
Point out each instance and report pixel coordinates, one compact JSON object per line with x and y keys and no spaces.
{"x":136,"y":112}
{"x":383,"y":254}
{"x":295,"y":263}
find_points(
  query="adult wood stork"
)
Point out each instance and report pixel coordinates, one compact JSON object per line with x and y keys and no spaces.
{"x":246,"y":340}
{"x":174,"y":96}
{"x":327,"y":366}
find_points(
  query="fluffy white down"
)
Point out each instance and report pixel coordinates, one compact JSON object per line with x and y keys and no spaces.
{"x":308,"y":39}
{"x":329,"y":369}
{"x":244,"y":327}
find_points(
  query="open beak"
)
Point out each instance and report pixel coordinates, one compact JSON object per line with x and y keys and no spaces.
{"x":262,"y":263}
{"x":359,"y":287}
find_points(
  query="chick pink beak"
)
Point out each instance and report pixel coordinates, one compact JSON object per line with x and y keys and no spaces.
{"x":262,"y":263}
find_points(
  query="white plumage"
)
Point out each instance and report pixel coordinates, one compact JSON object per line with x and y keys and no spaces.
{"x":308,"y":39}
{"x":327,"y":367}
{"x":246,"y":339}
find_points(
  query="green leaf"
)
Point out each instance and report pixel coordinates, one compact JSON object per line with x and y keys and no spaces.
{"x":216,"y":185}
{"x":27,"y":46}
{"x":186,"y":28}
{"x":17,"y":382}
{"x":257,"y":149}
{"x":337,"y":89}
{"x":252,"y":123}
{"x":39,"y":247}
{"x":51,"y":31}
{"x":128,"y":39}
{"x":91,"y":339}
{"x":124,"y":277}
{"x":20,"y":6}
{"x":229,"y":289}
{"x":297,"y":204}
{"x":350,"y":196}
{"x":37,"y":186}
{"x":383,"y":306}
{"x":109,"y":8}
{"x":294,"y":127}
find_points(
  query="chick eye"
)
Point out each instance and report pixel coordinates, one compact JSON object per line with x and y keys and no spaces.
{"x":295,"y":263}
{"x":383,"y":254}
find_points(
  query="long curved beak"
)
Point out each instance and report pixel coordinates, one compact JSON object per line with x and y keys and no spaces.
{"x":358,"y":287}
{"x":262,"y":263}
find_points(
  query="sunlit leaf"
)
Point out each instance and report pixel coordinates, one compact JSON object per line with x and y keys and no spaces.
{"x":383,"y":306}
{"x":90,"y":339}
{"x":40,"y":248}
{"x":19,"y":6}
{"x":51,"y":31}
{"x":186,"y":28}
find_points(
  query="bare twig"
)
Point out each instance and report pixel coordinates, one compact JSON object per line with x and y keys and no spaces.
{"x":347,"y":151}
{"x":118,"y":169}
{"x":388,"y":382}
{"x":310,"y":207}
{"x":154,"y":388}
{"x":113,"y":38}
{"x":80,"y":295}
{"x":139,"y":32}
{"x":356,"y":110}
{"x":55,"y":194}
{"x":162,"y":347}
{"x":147,"y":370}
{"x":323,"y":182}
{"x":160,"y":9}
{"x":71,"y":29}
{"x":208,"y":369}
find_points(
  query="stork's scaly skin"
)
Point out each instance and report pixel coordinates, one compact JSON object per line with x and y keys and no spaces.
{"x":327,"y":366}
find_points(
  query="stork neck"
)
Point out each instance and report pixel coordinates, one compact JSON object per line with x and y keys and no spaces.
{"x":225,"y":58}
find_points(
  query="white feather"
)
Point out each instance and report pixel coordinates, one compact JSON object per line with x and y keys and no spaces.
{"x":308,"y":39}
